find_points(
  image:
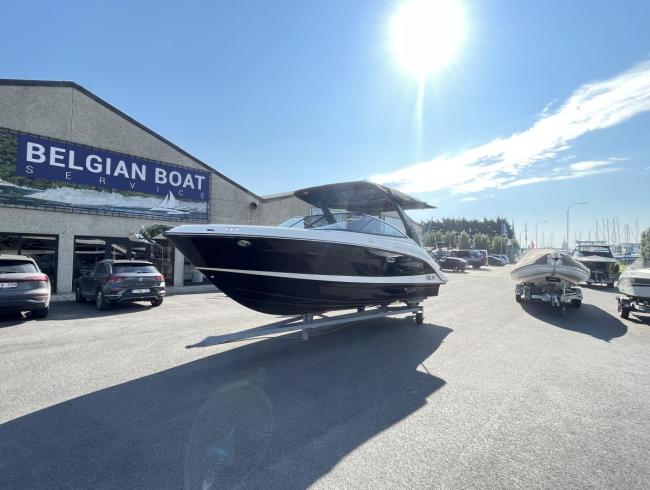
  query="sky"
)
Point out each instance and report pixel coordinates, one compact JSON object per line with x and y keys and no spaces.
{"x":542,"y":104}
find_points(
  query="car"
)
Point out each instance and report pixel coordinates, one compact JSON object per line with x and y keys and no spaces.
{"x":120,"y":281}
{"x":495,"y":260}
{"x":505,"y":258}
{"x":23,"y":287}
{"x":473,"y":257}
{"x":448,"y":262}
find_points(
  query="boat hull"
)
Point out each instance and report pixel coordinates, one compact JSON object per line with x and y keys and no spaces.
{"x":303,"y":273}
{"x":291,"y":296}
{"x":635,"y":283}
{"x":602,"y":270}
{"x":538,"y":265}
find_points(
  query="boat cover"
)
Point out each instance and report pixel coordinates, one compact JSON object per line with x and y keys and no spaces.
{"x":359,"y":197}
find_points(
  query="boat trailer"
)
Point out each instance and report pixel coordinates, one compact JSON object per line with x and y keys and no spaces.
{"x":627,"y":304}
{"x":558,"y":297}
{"x":308,"y":322}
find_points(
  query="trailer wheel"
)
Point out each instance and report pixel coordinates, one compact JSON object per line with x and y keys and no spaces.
{"x":419,"y":318}
{"x":576,"y":303}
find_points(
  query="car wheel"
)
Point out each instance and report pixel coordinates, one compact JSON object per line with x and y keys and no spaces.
{"x":610,"y":285}
{"x":41,"y":312}
{"x":100,"y":301}
{"x":625,"y":312}
{"x":518,"y":298}
{"x":576,"y":303}
{"x":77,"y":295}
{"x":156,"y":302}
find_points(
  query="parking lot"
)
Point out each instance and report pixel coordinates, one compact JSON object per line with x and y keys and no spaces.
{"x":487,"y":393}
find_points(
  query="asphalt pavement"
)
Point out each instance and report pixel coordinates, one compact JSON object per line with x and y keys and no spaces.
{"x":487,"y":393}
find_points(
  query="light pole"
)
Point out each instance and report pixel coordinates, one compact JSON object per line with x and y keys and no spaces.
{"x":538,"y":223}
{"x":567,"y":221}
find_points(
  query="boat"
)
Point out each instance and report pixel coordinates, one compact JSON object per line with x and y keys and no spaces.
{"x":634,"y":285}
{"x":546,"y":274}
{"x":538,"y":264}
{"x":347,"y":256}
{"x":599,"y":259}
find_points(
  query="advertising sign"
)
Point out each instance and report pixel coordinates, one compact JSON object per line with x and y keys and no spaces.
{"x":43,"y":172}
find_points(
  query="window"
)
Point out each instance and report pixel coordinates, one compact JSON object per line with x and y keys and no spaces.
{"x":134,"y":268}
{"x":358,"y":223}
{"x":16,"y":266}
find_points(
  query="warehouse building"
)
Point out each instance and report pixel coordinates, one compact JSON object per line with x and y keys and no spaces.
{"x":80,"y":178}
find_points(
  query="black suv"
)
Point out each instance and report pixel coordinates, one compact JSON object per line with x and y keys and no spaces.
{"x":118,"y":281}
{"x":475,"y":258}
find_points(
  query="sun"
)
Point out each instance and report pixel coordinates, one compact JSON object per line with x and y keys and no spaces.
{"x":426,"y":34}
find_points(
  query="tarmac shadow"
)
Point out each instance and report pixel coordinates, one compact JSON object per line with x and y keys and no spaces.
{"x":277,"y":413}
{"x":12,"y":319}
{"x":588,"y":319}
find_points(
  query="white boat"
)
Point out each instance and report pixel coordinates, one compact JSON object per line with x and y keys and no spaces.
{"x":541,"y":263}
{"x":170,"y":205}
{"x":545,"y":274}
{"x":634,"y":284}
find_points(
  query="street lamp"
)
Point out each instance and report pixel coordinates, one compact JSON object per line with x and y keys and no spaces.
{"x":538,"y":223}
{"x":567,"y":221}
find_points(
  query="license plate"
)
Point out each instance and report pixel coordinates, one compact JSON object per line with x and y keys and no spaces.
{"x":140,"y":291}
{"x":8,"y":285}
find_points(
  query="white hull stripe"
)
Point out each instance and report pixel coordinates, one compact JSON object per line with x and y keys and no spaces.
{"x":422,"y":279}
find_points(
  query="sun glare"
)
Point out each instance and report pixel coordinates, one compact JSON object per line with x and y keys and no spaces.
{"x":426,"y":34}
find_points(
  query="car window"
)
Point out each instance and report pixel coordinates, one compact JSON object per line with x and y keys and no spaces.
{"x":16,"y":266}
{"x":134,"y":268}
{"x":99,"y":269}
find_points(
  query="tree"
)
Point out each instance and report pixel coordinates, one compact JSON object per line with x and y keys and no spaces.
{"x":464,"y":241}
{"x":451,"y":238}
{"x":498,"y":245}
{"x":645,"y":244}
{"x":481,"y":241}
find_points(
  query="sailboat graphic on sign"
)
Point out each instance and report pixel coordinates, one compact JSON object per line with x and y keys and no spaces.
{"x":170,"y":205}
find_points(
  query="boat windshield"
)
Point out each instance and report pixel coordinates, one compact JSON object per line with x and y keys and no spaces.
{"x":358,"y":223}
{"x":589,"y":251}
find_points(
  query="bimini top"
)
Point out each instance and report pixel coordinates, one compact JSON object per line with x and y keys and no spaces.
{"x":359,"y":197}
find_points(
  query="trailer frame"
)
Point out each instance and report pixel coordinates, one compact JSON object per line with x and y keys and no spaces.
{"x":567,"y":296}
{"x":628,"y":304}
{"x":307,"y":323}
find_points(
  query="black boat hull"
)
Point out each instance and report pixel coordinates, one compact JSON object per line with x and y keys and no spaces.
{"x":289,"y":296}
{"x":283,"y":276}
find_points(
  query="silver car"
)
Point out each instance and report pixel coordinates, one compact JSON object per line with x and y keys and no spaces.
{"x":23,"y":287}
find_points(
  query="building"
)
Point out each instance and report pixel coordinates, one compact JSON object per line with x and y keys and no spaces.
{"x":79,"y":177}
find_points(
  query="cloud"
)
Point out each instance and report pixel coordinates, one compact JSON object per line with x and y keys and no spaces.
{"x":577,"y":171}
{"x":588,"y":165}
{"x":507,"y":162}
{"x":468,"y":199}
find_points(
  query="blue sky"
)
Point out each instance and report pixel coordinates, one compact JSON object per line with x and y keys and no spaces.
{"x":544,"y":104}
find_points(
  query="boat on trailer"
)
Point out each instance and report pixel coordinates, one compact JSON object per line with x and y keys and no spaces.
{"x":350,"y":255}
{"x":634,"y":285}
{"x":551,"y":276}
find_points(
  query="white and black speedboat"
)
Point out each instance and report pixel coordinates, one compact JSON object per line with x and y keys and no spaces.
{"x":346,"y":257}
